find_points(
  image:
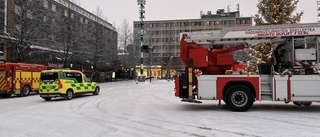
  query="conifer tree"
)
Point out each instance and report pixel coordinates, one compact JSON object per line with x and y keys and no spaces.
{"x":271,"y":12}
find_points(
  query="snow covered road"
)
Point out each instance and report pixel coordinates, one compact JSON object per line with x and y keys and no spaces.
{"x":150,"y":110}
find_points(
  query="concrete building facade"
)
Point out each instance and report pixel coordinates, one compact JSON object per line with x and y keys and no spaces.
{"x":164,"y":35}
{"x":8,"y":26}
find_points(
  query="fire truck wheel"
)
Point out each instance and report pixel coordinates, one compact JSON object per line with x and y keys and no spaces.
{"x":298,"y":103}
{"x":69,"y":95}
{"x":96,"y":91}
{"x":307,"y":103}
{"x":47,"y":98}
{"x":25,"y":91}
{"x":5,"y":95}
{"x":239,"y":98}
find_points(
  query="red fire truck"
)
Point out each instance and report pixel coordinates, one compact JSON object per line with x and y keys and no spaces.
{"x":292,"y":77}
{"x":19,"y":79}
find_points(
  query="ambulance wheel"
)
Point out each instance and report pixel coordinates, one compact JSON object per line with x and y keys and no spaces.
{"x":47,"y":98}
{"x":239,"y":98}
{"x":307,"y":103}
{"x":5,"y":95}
{"x":25,"y":91}
{"x":69,"y":95}
{"x":96,"y":91}
{"x":298,"y":103}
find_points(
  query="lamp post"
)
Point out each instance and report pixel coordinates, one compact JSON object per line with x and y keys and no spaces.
{"x":142,"y":4}
{"x":150,"y":60}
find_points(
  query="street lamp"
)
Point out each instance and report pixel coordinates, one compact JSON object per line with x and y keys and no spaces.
{"x":150,"y":60}
{"x":142,"y":4}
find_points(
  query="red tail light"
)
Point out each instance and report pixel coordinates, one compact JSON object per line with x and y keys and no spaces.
{"x":177,"y":86}
{"x":59,"y":84}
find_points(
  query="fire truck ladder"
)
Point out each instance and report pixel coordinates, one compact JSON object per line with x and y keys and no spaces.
{"x":251,"y":35}
{"x":300,"y":42}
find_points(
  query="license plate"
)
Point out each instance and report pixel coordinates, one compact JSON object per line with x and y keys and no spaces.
{"x":48,"y":86}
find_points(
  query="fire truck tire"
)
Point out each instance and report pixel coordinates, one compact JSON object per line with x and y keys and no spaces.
{"x":5,"y":95}
{"x":307,"y":103}
{"x":47,"y":98}
{"x":25,"y":91}
{"x":96,"y":91}
{"x":298,"y":103}
{"x":239,"y":98}
{"x":69,"y":95}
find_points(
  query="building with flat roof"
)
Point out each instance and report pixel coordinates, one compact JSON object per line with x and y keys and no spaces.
{"x":70,"y":16}
{"x":164,"y":35}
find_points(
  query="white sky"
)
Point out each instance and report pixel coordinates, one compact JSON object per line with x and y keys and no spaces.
{"x":118,"y":10}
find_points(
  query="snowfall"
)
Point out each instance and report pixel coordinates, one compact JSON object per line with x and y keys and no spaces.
{"x":150,"y":109}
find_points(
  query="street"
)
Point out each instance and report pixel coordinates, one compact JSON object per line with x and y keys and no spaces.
{"x":125,"y":109}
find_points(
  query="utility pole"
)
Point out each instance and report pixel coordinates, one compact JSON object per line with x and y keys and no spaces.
{"x":142,"y":4}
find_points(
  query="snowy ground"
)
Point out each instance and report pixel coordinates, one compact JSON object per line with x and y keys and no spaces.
{"x":125,"y":109}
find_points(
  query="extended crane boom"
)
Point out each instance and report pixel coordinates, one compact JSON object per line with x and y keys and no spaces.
{"x":214,"y":61}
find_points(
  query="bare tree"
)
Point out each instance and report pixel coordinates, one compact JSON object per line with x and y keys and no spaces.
{"x":100,"y":40}
{"x":125,"y":39}
{"x":29,"y":26}
{"x":69,"y":32}
{"x":110,"y":54}
{"x":125,"y":35}
{"x":134,"y":49}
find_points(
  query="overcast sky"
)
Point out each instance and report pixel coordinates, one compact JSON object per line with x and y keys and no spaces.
{"x":118,"y":10}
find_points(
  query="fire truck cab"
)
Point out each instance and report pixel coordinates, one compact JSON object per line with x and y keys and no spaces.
{"x":292,"y":76}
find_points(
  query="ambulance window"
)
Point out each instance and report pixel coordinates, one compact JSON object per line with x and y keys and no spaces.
{"x":78,"y":77}
{"x":87,"y":79}
{"x":74,"y":75}
{"x":49,"y":77}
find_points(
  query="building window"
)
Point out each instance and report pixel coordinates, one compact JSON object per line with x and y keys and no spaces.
{"x":1,"y":50}
{"x":231,"y":23}
{"x":46,"y":4}
{"x":81,"y":19}
{"x":135,"y":25}
{"x":244,"y":21}
{"x":54,"y":7}
{"x":66,"y":13}
{"x":72,"y":15}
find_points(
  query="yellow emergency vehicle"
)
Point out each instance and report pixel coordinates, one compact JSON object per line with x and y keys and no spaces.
{"x":65,"y":83}
{"x":19,"y":79}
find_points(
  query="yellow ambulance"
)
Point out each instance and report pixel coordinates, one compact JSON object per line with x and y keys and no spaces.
{"x":65,"y":83}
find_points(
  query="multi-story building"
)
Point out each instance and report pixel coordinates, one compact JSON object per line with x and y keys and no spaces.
{"x":164,"y":35}
{"x":52,"y":11}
